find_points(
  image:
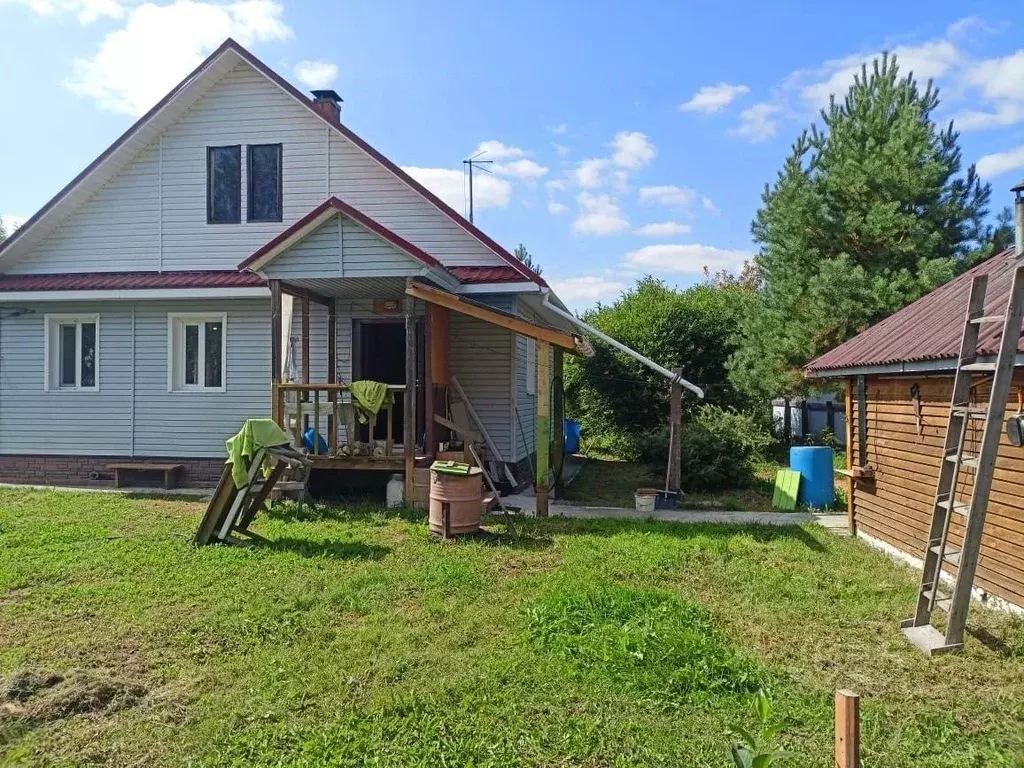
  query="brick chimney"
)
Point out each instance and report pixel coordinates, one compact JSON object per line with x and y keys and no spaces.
{"x":328,"y":104}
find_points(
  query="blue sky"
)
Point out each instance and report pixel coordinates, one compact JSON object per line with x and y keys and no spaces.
{"x":627,"y":137}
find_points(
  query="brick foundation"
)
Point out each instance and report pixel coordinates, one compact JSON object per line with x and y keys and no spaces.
{"x":79,"y":470}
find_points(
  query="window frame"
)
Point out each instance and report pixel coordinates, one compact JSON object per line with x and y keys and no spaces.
{"x":52,"y":323}
{"x":176,"y":323}
{"x":209,"y":183}
{"x":531,"y":365}
{"x":249,"y":183}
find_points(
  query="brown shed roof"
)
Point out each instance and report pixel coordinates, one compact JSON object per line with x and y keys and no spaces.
{"x":928,"y":329}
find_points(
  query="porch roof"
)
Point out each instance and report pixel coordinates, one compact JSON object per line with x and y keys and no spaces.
{"x":491,"y":315}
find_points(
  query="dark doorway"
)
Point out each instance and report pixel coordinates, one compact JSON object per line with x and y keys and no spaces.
{"x":379,"y":355}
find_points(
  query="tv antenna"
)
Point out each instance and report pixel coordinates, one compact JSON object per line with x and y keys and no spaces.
{"x":470,"y":163}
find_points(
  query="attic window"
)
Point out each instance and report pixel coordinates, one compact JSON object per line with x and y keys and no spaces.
{"x":224,"y":185}
{"x":264,"y":174}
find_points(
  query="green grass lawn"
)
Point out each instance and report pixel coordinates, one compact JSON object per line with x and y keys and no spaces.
{"x":609,"y":482}
{"x":352,"y":638}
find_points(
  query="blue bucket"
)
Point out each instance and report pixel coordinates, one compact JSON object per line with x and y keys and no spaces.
{"x":817,"y":473}
{"x":307,"y":440}
{"x":572,"y":432}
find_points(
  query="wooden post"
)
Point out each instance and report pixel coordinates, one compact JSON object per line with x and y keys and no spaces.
{"x":851,"y":486}
{"x":409,"y":428}
{"x":332,"y":375}
{"x":787,"y":422}
{"x":275,"y":345}
{"x":847,"y":730}
{"x":543,"y":427}
{"x":862,"y":421}
{"x":674,"y":481}
{"x":805,"y":417}
{"x":304,"y":307}
{"x":558,"y":422}
{"x":430,"y":442}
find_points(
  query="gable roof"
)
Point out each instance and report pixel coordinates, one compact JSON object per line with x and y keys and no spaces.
{"x":176,"y":102}
{"x":929,"y":329}
{"x":318,"y":216}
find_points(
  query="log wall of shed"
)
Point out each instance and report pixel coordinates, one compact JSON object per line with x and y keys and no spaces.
{"x":895,"y":506}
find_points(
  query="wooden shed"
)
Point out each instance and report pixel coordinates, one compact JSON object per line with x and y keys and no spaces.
{"x":899,"y":380}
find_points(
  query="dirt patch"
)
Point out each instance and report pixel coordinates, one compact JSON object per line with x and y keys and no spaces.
{"x":43,"y":696}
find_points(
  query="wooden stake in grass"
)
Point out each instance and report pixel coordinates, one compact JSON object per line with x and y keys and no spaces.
{"x":847,"y":729}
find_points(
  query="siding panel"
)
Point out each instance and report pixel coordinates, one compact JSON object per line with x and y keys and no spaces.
{"x":59,"y":422}
{"x":135,"y":222}
{"x":481,"y":358}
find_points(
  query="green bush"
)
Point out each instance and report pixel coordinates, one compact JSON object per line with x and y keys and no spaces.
{"x":720,"y":448}
{"x":621,"y":403}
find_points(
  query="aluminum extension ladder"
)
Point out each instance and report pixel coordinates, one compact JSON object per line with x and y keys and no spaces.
{"x":939,"y":553}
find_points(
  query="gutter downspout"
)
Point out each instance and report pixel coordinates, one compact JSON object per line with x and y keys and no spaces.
{"x":672,"y":377}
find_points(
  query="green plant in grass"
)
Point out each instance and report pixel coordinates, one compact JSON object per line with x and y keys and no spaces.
{"x":758,"y":750}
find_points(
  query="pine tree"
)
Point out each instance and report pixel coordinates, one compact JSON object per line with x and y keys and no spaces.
{"x":524,"y":256}
{"x":3,"y":231}
{"x":867,"y":214}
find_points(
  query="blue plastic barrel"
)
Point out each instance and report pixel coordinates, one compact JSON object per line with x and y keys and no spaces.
{"x":572,"y":436}
{"x":307,"y":440}
{"x":817,"y":485}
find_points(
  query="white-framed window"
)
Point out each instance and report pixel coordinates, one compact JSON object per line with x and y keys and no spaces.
{"x":196,"y":351}
{"x":71,"y":347}
{"x":531,"y":366}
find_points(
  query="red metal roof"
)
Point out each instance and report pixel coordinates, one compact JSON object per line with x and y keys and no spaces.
{"x":929,"y":329}
{"x":486,"y":274}
{"x":115,"y":281}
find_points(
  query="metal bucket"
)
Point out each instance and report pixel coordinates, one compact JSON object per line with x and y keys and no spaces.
{"x":463,"y":494}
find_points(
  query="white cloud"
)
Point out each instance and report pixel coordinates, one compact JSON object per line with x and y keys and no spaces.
{"x":588,"y":173}
{"x":582,"y":291}
{"x":929,"y":60}
{"x":1001,"y":82}
{"x":160,"y":44}
{"x":757,"y":123}
{"x":520,"y":169}
{"x":316,"y":74}
{"x":662,"y":229}
{"x":1001,"y":162}
{"x":558,"y":130}
{"x":556,"y":185}
{"x":449,"y":185}
{"x":689,"y":259}
{"x":712,"y":98}
{"x":707,"y":204}
{"x":86,"y":11}
{"x":557,"y":209}
{"x":496,"y":150}
{"x":599,"y":215}
{"x":633,"y":150}
{"x":12,"y":221}
{"x":667,"y":194}
{"x":561,"y":149}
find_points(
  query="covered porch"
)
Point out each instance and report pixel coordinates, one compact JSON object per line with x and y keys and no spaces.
{"x":328,"y":333}
{"x":351,"y":301}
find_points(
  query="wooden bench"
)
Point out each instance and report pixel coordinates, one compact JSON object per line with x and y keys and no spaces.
{"x":169,"y":470}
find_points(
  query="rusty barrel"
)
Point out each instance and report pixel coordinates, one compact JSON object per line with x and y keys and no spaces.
{"x":464,"y":496}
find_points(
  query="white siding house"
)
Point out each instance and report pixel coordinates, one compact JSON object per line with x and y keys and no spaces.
{"x":181,"y":308}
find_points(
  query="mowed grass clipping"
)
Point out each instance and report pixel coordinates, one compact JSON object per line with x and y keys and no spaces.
{"x":353,"y":638}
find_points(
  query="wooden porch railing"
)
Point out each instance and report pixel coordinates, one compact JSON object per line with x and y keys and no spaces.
{"x":327,"y":408}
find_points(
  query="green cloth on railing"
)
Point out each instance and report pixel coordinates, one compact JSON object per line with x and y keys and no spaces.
{"x":369,"y":397}
{"x":254,"y":434}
